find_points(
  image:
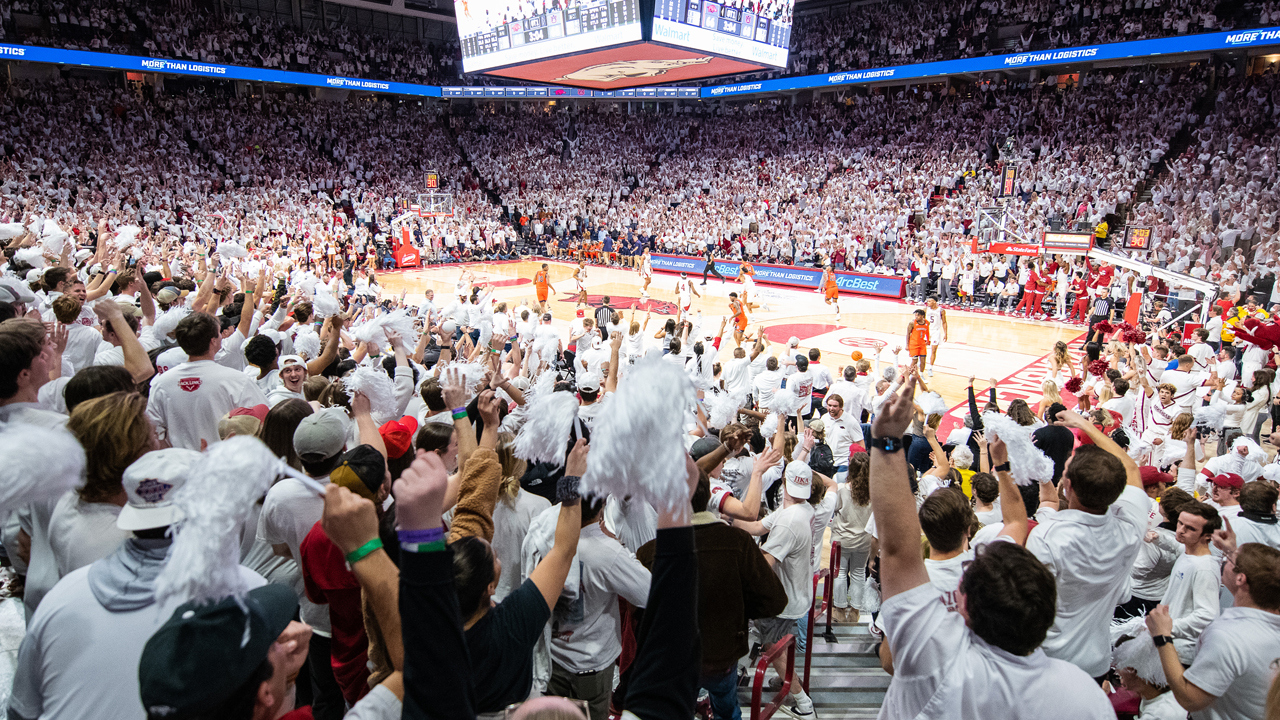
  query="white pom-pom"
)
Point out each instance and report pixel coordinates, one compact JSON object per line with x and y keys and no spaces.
{"x":1027,"y":463}
{"x":1138,"y":652}
{"x":722,"y":408}
{"x":1213,"y":415}
{"x":54,"y":243}
{"x":547,"y":348}
{"x":932,"y":404}
{"x":9,"y":231}
{"x":769,"y":427}
{"x":39,"y":464}
{"x":325,"y":305}
{"x":472,"y":376}
{"x":168,"y":321}
{"x":374,"y":384}
{"x":786,"y":402}
{"x":637,"y":442}
{"x":307,"y":344}
{"x":32,"y":256}
{"x":231,"y":251}
{"x":545,"y":436}
{"x":215,"y":503}
{"x":126,"y":236}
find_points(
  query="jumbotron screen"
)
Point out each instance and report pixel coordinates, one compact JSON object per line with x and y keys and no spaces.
{"x":497,"y":33}
{"x":757,"y":31}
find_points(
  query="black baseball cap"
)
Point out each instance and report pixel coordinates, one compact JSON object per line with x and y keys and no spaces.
{"x":202,"y":654}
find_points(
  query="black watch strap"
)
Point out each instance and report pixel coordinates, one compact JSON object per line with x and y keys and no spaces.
{"x":887,"y":444}
{"x":1161,"y":640}
{"x":1002,"y":467}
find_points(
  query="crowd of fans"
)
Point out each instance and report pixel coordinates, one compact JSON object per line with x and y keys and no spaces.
{"x":266,"y":488}
{"x":183,"y":32}
{"x":865,"y":35}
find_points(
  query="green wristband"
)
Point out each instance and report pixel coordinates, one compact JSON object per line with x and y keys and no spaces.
{"x":426,"y":547}
{"x":364,"y":551}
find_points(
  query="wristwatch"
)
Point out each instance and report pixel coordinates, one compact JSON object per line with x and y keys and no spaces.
{"x":889,"y":444}
{"x":1161,"y":640}
{"x":1002,"y":467}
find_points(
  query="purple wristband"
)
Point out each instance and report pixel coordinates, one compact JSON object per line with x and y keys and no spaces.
{"x":421,"y":536}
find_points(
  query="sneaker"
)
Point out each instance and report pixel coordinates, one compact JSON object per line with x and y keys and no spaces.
{"x":930,"y":373}
{"x":798,"y":706}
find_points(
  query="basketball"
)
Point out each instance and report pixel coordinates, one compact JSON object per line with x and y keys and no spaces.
{"x":856,"y":355}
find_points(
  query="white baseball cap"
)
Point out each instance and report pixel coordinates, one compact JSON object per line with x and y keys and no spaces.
{"x":150,"y":483}
{"x":799,"y":480}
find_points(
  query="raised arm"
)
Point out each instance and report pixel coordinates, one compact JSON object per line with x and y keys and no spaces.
{"x":892,"y":503}
{"x":553,"y":570}
{"x":1013,"y":511}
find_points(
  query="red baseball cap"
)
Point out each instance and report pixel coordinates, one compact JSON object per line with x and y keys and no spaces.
{"x":1228,"y":480}
{"x":258,"y":411}
{"x":1151,"y":475}
{"x":398,"y":435}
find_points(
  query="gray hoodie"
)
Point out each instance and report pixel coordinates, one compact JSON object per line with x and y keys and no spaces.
{"x":125,"y":580}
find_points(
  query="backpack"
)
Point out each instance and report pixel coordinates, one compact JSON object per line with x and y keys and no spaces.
{"x":821,"y":460}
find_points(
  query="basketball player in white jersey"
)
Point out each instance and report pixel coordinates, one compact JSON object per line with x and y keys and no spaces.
{"x":646,"y":273}
{"x":937,"y":318}
{"x":579,"y":280}
{"x":685,"y":291}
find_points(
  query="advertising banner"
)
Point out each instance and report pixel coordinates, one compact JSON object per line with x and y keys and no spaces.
{"x":1207,"y":42}
{"x":135,"y":63}
{"x":786,"y":275}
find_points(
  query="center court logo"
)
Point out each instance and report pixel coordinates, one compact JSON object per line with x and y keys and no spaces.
{"x":624,"y":69}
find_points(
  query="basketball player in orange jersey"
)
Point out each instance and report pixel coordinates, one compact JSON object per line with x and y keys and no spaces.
{"x":830,"y":288}
{"x":739,"y":314}
{"x":918,"y":340}
{"x":543,"y":286}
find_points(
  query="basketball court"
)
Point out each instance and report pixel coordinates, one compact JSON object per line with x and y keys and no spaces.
{"x":1010,"y":350}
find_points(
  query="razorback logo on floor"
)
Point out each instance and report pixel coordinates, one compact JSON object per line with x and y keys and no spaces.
{"x":190,"y":384}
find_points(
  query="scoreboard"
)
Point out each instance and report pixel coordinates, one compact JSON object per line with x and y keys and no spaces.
{"x":614,"y":44}
{"x":495,"y":34}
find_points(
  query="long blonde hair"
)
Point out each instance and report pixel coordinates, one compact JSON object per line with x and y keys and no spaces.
{"x":1049,"y":391}
{"x":513,"y":468}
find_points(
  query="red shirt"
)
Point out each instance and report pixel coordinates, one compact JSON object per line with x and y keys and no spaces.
{"x":327,"y":580}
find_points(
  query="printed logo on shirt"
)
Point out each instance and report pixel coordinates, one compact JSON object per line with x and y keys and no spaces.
{"x":189,"y":384}
{"x":152,"y":490}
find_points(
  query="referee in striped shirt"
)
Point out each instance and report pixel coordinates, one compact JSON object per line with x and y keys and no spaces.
{"x":1101,"y":312}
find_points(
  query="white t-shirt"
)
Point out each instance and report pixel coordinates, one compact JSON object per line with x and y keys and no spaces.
{"x":187,"y":401}
{"x":945,"y":576}
{"x":766,"y":384}
{"x":585,"y":630}
{"x":1090,"y":556}
{"x":289,"y":511}
{"x":1192,"y":597}
{"x":1234,"y":663}
{"x":791,"y":544}
{"x":943,"y":670}
{"x":82,"y":533}
{"x":737,"y":378}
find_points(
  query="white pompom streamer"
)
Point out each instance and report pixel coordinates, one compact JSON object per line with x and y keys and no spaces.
{"x":769,"y":427}
{"x":126,"y":236}
{"x":231,"y":251}
{"x":1213,"y":415}
{"x":637,"y":441}
{"x":32,"y":256}
{"x":786,"y":402}
{"x":1138,"y":653}
{"x":307,"y":344}
{"x":472,"y":376}
{"x":722,"y":408}
{"x":545,"y":436}
{"x":215,"y":502}
{"x":325,"y":305}
{"x":54,"y":243}
{"x":1027,"y":463}
{"x":932,"y":404}
{"x":374,"y":384}
{"x":39,"y":464}
{"x":9,"y":231}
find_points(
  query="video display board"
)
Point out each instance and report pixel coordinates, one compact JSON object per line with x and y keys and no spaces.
{"x":495,"y":33}
{"x":757,"y":31}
